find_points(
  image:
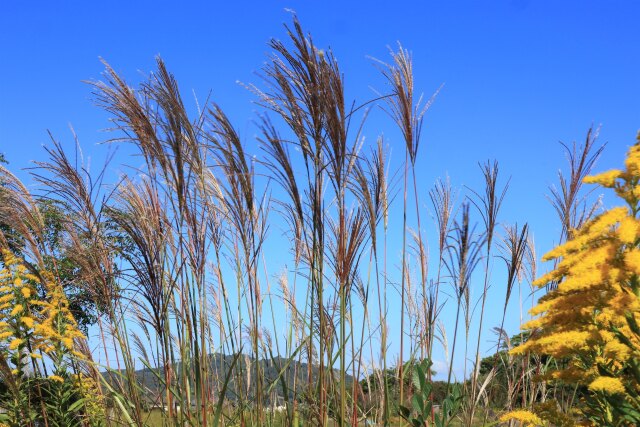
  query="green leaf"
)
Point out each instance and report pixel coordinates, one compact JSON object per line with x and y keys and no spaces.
{"x":404,"y":412}
{"x":218,"y":413}
{"x":418,"y":404}
{"x":76,"y":405}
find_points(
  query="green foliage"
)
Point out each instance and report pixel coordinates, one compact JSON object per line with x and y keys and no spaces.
{"x":422,"y":406}
{"x":36,"y":399}
{"x":81,"y":304}
{"x":451,"y":406}
{"x":63,"y":403}
{"x":614,"y":410}
{"x":18,"y":402}
{"x":422,"y":409}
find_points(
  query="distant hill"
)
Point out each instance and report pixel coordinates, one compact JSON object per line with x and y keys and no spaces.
{"x":219,"y":367}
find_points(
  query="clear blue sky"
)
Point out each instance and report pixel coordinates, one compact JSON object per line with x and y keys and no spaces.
{"x":518,"y":75}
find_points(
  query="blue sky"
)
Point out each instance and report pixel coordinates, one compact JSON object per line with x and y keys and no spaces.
{"x":519,"y":76}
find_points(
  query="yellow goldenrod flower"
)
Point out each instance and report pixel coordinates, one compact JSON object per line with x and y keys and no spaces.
{"x":633,"y":160}
{"x":525,"y":417}
{"x":78,"y":355}
{"x":45,"y":323}
{"x":632,"y":261}
{"x":68,"y":342}
{"x":607,"y":385}
{"x":28,"y":321}
{"x":16,"y":309}
{"x":628,"y":230}
{"x":15,"y":343}
{"x":606,"y":179}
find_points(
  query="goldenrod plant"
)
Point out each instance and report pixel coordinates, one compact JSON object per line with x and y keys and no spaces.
{"x":37,"y":347}
{"x":590,"y":320}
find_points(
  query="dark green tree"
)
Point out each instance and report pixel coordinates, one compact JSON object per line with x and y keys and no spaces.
{"x":56,"y":260}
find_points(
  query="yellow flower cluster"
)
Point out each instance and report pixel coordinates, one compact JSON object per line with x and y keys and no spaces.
{"x":590,"y":317}
{"x":607,"y":385}
{"x":29,"y":324}
{"x":94,"y":402}
{"x":606,"y":179}
{"x":633,"y":160}
{"x":16,"y":318}
{"x":525,"y":418}
{"x":56,"y":378}
{"x":58,"y":325}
